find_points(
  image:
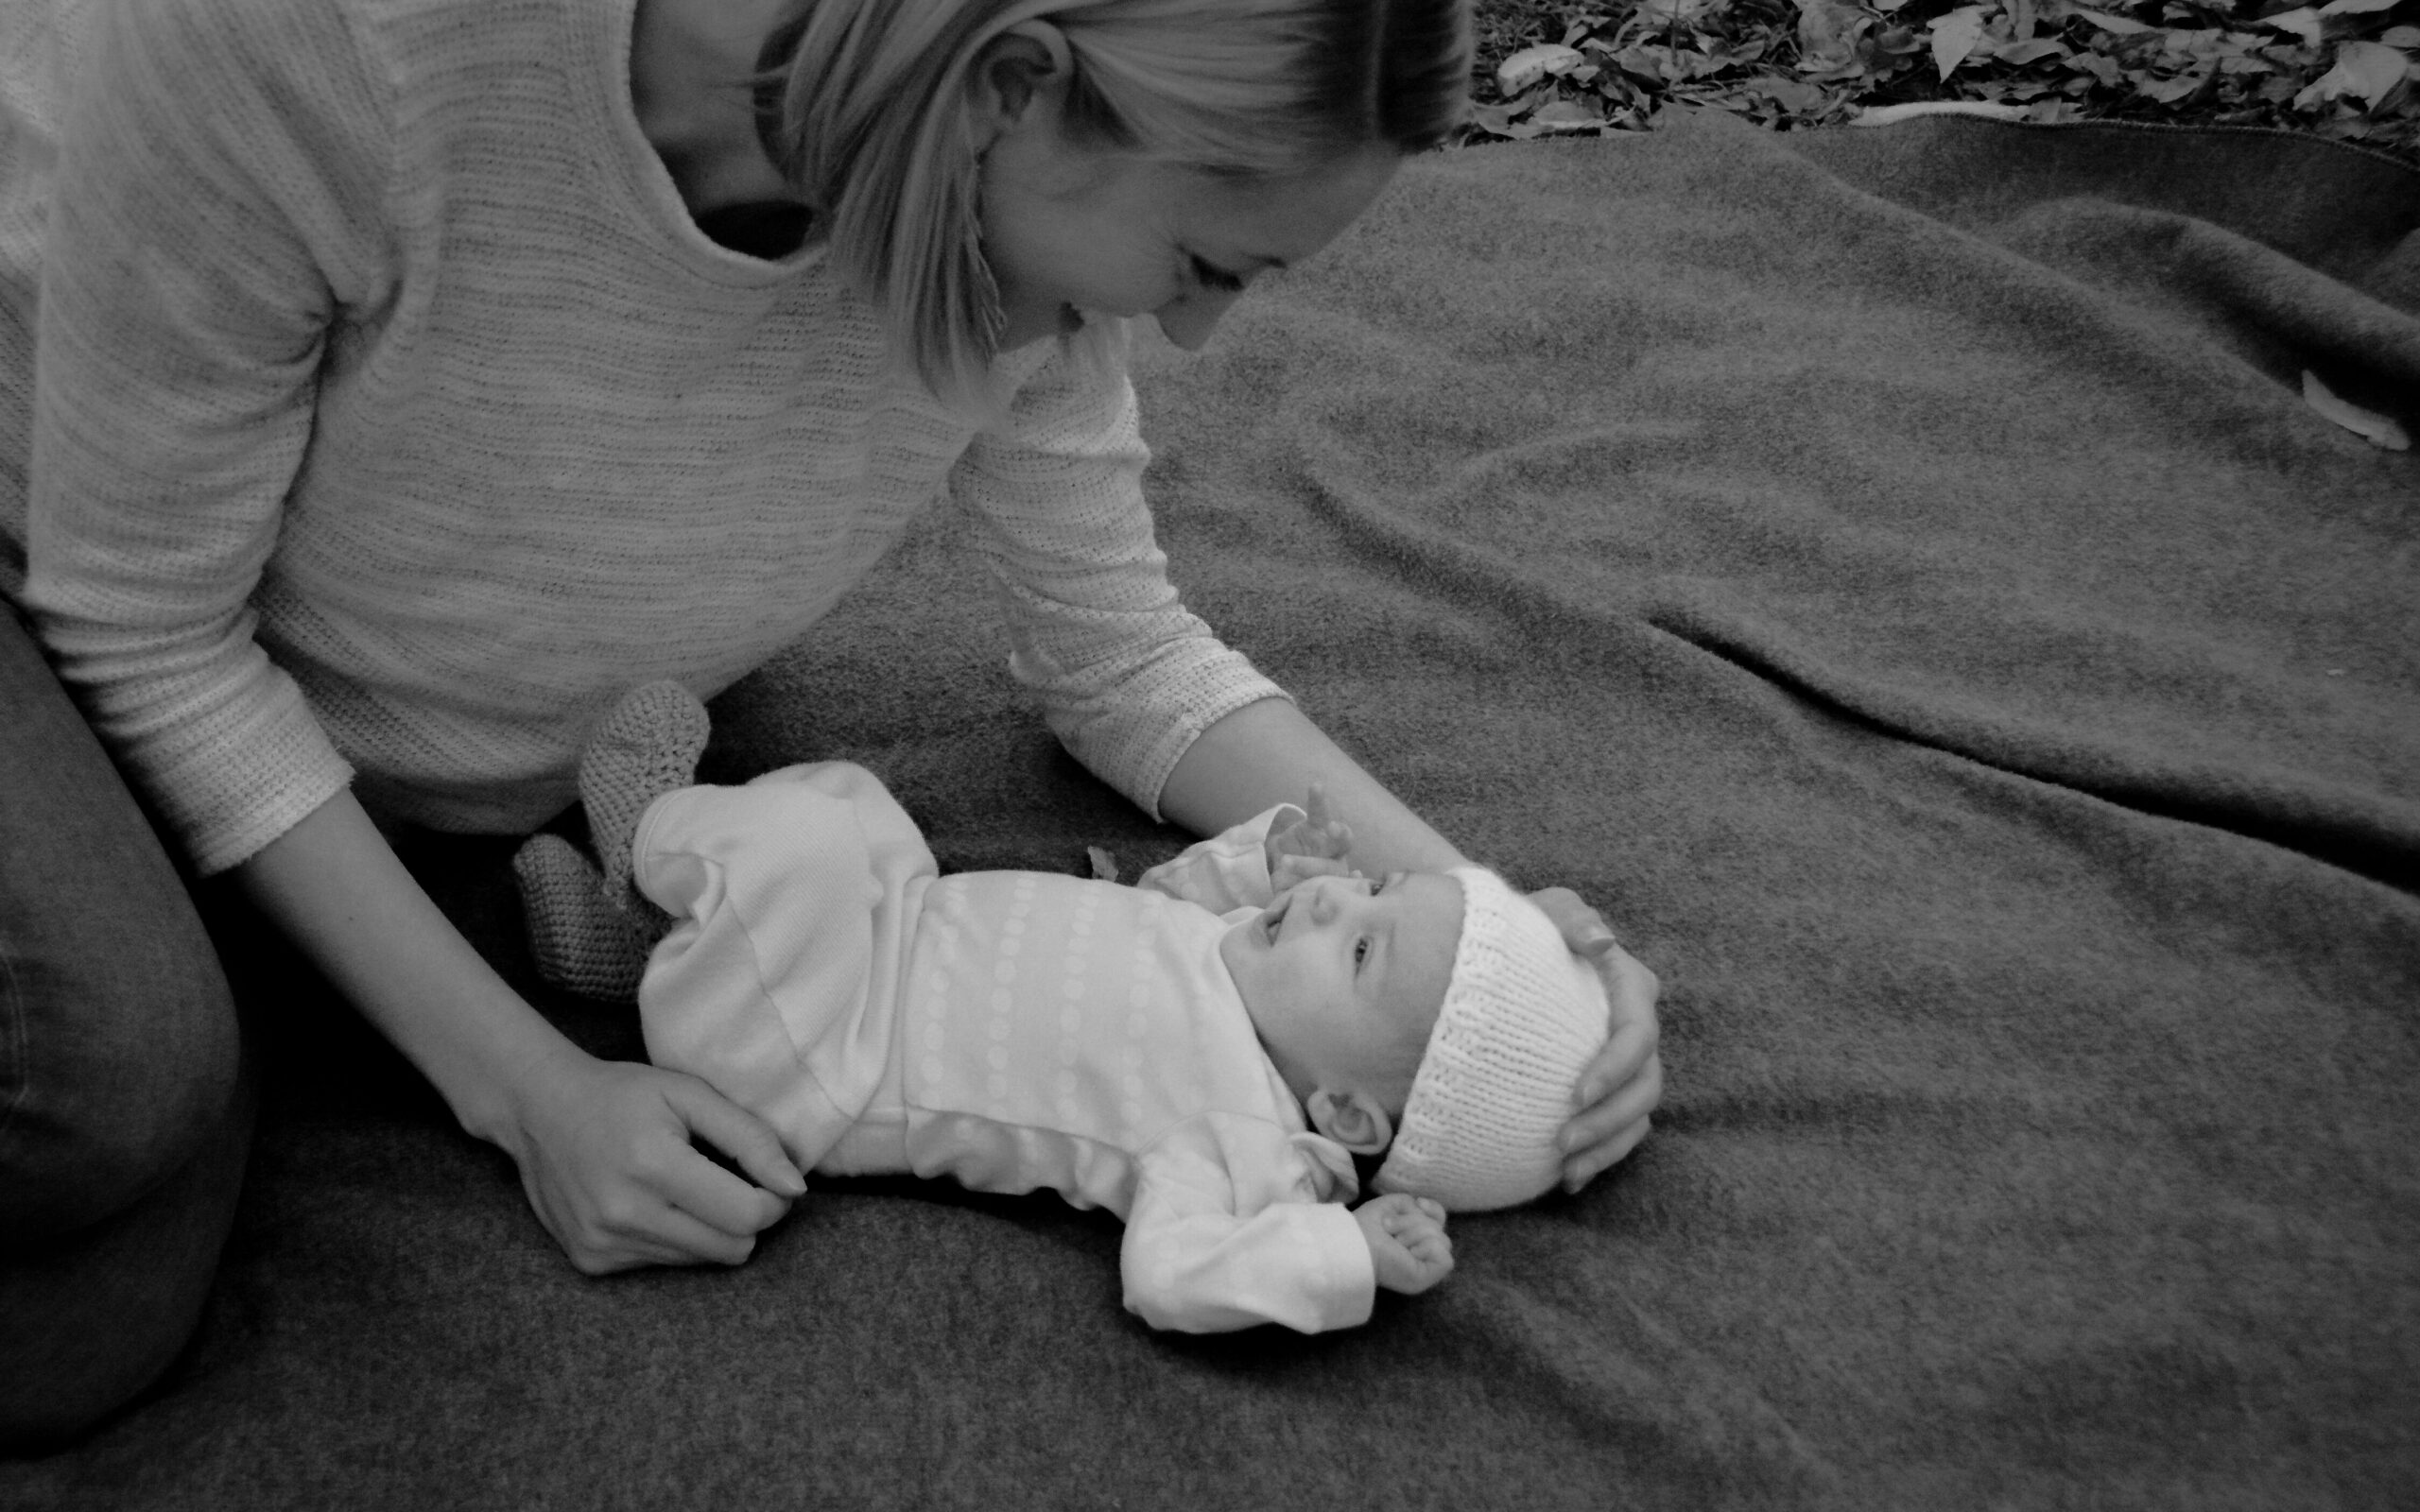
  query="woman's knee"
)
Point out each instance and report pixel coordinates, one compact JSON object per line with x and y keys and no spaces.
{"x":90,"y":1319}
{"x":118,"y":1042}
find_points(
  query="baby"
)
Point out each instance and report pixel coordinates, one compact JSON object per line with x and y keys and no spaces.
{"x":1203,"y":1054}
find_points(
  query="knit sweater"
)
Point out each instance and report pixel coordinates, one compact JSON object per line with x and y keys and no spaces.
{"x":394,"y":417}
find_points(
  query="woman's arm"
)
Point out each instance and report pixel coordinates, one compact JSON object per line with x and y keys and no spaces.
{"x":603,"y":1146}
{"x":1269,"y":752}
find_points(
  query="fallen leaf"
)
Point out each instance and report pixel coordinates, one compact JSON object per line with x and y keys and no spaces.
{"x":1566,"y":115}
{"x":2120,"y":24}
{"x":1954,"y":36}
{"x":2021,"y":53}
{"x":1667,"y":13}
{"x":2103,"y":69}
{"x":1886,"y":115}
{"x":2303,"y":23}
{"x":1494,"y":118}
{"x":1530,"y":65}
{"x":1804,"y":99}
{"x":2355,"y":8}
{"x":2169,"y":91}
{"x":2405,"y":36}
{"x":1104,"y":864}
{"x":2366,"y":69}
{"x":2379,"y":430}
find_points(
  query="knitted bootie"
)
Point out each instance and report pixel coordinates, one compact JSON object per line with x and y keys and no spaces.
{"x":580,"y":941}
{"x":590,"y":930}
{"x":648,"y":747}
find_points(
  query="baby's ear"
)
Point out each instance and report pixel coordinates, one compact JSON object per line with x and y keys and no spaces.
{"x":1354,"y":1120}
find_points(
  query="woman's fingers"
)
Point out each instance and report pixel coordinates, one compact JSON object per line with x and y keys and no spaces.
{"x":606,"y":1156}
{"x":1613,"y":1114}
{"x":700,"y":1190}
{"x":692,"y":1241}
{"x":1631,"y":991}
{"x":1583,"y":1166}
{"x":1624,"y":1082}
{"x":748,"y":1140}
{"x":660,"y":1234}
{"x":1584,"y":929}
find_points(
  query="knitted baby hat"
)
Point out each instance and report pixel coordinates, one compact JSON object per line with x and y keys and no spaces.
{"x":1523,"y":1016}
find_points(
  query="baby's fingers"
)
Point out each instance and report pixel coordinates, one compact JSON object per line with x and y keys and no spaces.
{"x":1292,"y":871}
{"x":1315,"y":813}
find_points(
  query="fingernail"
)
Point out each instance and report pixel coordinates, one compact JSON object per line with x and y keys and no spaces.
{"x":1598,"y":946}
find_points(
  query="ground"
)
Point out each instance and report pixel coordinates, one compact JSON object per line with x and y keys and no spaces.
{"x":2344,"y":69}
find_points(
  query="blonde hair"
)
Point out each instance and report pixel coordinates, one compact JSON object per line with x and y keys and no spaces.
{"x":872,"y":124}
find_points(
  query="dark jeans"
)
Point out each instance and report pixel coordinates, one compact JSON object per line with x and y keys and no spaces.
{"x":125,"y":1105}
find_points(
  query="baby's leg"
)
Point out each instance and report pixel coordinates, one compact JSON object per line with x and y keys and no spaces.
{"x":590,"y":929}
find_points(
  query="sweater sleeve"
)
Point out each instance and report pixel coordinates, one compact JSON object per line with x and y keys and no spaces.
{"x":1228,"y":1230}
{"x":1128,"y":676}
{"x":208,"y":191}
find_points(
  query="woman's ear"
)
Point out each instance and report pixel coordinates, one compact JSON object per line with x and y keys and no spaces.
{"x":1023,"y":67}
{"x":1354,"y":1120}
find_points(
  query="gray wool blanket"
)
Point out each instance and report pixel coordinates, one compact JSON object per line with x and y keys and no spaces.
{"x":1898,"y":575}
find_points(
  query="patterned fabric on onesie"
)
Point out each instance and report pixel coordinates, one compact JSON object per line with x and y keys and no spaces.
{"x":1040,"y":1044}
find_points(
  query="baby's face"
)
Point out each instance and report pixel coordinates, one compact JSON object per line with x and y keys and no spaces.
{"x":1341,"y":973}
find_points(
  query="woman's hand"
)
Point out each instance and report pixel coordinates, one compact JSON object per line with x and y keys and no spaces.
{"x":605,"y":1156}
{"x":1622,"y":1087}
{"x":603,"y":1146}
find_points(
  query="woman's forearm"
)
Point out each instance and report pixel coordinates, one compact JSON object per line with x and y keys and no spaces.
{"x":1269,"y":752}
{"x":336,"y":889}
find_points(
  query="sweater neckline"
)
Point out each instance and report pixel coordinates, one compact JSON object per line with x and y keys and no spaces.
{"x":607,"y":32}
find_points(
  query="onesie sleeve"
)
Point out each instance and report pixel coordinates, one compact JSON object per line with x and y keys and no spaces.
{"x":1127,"y":676}
{"x":1227,"y":871}
{"x":217,"y":161}
{"x":1228,"y":1230}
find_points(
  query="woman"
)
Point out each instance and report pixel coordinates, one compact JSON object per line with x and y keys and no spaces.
{"x":415,"y":379}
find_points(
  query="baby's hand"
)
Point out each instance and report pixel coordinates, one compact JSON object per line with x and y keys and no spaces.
{"x":1312,"y":846}
{"x":1408,"y":1242}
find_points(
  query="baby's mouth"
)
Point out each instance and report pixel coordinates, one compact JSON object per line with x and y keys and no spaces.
{"x":1274,"y":917}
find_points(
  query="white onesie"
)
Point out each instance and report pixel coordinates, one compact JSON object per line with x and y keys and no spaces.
{"x":1007,"y":1029}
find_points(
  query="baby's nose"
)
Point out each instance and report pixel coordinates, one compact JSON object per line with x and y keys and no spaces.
{"x":1331,"y":895}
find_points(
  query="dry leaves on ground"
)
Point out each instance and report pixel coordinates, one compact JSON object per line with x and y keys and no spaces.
{"x":2344,"y":69}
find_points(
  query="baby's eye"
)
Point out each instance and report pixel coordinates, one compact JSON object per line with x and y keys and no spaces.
{"x":1378,"y":886}
{"x":1360,"y":951}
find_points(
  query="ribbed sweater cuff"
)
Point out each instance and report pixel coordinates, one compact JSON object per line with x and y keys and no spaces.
{"x":267,"y":770}
{"x":1228,"y":683}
